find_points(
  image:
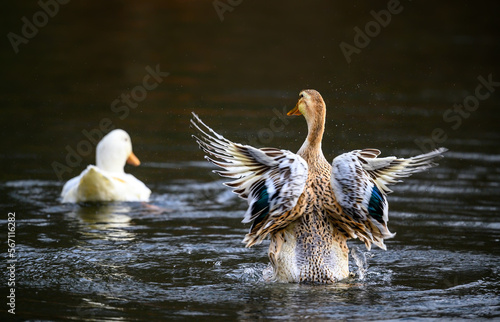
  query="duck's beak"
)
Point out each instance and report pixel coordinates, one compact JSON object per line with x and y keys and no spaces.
{"x":133,"y":160}
{"x":295,"y":110}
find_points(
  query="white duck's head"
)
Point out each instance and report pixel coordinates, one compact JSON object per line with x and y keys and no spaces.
{"x":114,"y":150}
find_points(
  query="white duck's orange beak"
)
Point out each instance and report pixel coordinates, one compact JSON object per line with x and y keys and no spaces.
{"x":133,"y":160}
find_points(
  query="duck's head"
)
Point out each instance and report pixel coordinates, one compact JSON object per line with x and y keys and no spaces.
{"x":114,"y":150}
{"x":312,"y":106}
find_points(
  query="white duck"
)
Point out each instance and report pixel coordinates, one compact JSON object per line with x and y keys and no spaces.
{"x":107,"y":181}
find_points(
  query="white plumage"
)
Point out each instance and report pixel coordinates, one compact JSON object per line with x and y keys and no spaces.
{"x":107,"y":180}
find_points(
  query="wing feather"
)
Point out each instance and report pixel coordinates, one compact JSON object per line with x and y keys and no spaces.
{"x":271,"y":180}
{"x":359,"y":181}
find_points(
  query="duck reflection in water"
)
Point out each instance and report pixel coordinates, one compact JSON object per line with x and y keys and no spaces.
{"x":104,"y":221}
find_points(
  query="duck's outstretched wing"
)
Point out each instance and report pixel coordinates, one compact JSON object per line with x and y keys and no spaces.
{"x":359,"y":181}
{"x":271,"y":180}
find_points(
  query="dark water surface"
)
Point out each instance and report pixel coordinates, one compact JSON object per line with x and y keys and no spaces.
{"x":180,"y":255}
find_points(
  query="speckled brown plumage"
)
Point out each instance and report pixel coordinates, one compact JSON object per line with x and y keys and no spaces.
{"x":308,"y":207}
{"x":316,"y":249}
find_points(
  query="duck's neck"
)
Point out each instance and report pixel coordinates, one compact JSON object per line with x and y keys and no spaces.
{"x":111,"y":165}
{"x":311,"y":148}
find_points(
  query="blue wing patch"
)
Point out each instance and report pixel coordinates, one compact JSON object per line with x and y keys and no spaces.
{"x":376,"y":205}
{"x":260,"y":209}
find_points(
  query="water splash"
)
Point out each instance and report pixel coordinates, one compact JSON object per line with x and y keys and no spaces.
{"x":250,"y":273}
{"x":361,"y":262}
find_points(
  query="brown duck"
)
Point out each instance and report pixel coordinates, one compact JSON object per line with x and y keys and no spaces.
{"x":307,"y":207}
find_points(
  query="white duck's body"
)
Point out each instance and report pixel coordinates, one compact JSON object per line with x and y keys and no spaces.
{"x":95,"y":184}
{"x":107,"y":180}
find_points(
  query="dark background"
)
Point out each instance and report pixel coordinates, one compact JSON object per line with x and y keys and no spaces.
{"x":259,"y":57}
{"x":180,"y":255}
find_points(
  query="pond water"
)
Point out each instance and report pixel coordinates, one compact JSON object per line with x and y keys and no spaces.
{"x":180,"y":256}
